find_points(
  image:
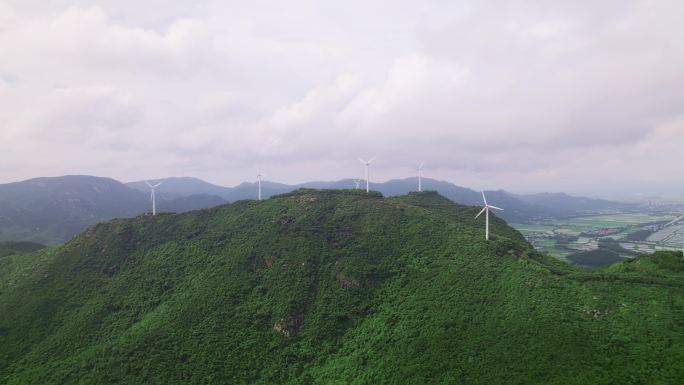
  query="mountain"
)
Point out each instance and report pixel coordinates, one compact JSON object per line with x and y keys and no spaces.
{"x":175,"y":187}
{"x":52,"y":210}
{"x":517,"y":208}
{"x":332,"y":287}
{"x":577,"y":205}
{"x":189,"y":203}
{"x":46,"y":210}
{"x":248,"y":190}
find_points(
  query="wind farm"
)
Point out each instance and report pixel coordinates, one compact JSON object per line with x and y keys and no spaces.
{"x":325,"y":193}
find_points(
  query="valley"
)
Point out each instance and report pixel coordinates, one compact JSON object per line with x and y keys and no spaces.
{"x":634,"y":233}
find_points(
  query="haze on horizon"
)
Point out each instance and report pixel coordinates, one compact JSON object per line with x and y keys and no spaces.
{"x":582,"y":97}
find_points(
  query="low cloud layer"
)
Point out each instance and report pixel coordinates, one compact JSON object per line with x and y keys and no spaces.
{"x":522,"y":95}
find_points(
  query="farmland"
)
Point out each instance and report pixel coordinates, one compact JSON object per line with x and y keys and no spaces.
{"x":635,"y":233}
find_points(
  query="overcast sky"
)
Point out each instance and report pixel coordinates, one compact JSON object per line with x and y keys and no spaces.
{"x":582,"y":96}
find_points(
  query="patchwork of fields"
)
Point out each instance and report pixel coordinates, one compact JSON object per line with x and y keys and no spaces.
{"x":636,"y":233}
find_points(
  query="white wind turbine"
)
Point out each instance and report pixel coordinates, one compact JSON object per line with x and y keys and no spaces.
{"x":485,"y":210}
{"x":367,"y":163}
{"x":153,"y":187}
{"x":259,"y":182}
{"x":357,"y":182}
{"x":420,"y":176}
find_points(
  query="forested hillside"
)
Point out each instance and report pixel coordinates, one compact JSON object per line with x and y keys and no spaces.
{"x":332,"y":287}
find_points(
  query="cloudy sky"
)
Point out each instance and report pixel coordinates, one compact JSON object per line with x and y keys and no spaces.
{"x":581,"y":96}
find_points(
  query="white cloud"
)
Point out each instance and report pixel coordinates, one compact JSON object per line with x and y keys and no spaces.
{"x":516,"y":94}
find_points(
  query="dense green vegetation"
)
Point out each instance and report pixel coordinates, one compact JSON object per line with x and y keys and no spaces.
{"x":594,"y":258}
{"x":16,"y":247}
{"x":609,"y":251}
{"x":639,"y":235}
{"x":332,"y":287}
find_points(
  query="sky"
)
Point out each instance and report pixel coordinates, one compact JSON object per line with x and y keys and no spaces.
{"x":582,"y":97}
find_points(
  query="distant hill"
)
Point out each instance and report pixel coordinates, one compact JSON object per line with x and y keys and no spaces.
{"x":175,"y":187}
{"x":576,"y":205}
{"x":13,"y":247}
{"x":189,"y":203}
{"x":49,"y":210}
{"x":517,"y":207}
{"x":332,"y":287}
{"x":52,"y":210}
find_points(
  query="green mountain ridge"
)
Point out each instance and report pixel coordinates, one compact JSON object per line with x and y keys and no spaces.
{"x":332,"y":287}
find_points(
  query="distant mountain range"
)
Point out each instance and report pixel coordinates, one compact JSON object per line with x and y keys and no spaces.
{"x":52,"y":210}
{"x":517,"y":207}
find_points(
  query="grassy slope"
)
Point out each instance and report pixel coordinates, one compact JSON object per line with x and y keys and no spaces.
{"x":17,"y":247}
{"x":369,"y":290}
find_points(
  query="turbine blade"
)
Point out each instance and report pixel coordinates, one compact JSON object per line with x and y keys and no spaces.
{"x":157,"y":185}
{"x":480,"y":213}
{"x":494,"y":207}
{"x":371,"y":160}
{"x":421,"y":165}
{"x":484,"y":199}
{"x":362,"y":161}
{"x":148,"y":184}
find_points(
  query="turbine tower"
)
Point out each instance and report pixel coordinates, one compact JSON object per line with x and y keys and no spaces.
{"x":153,"y":187}
{"x":485,"y":210}
{"x":420,"y":176}
{"x":367,"y":163}
{"x":259,"y":182}
{"x":357,"y":182}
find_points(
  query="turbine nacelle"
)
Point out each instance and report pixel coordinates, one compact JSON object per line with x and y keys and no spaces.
{"x":153,"y":186}
{"x":367,"y":162}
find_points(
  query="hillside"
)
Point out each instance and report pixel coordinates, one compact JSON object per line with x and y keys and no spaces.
{"x":11,"y":247}
{"x":332,"y":287}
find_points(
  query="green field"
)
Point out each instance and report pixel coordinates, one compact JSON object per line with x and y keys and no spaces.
{"x":549,"y":235}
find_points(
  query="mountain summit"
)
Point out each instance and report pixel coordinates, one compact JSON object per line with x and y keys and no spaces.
{"x":332,"y":287}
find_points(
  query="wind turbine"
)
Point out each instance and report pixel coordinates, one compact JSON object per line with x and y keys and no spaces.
{"x":357,"y":182}
{"x":153,"y":187}
{"x":420,"y":176}
{"x":485,"y":210}
{"x":367,"y":163}
{"x":259,"y":182}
